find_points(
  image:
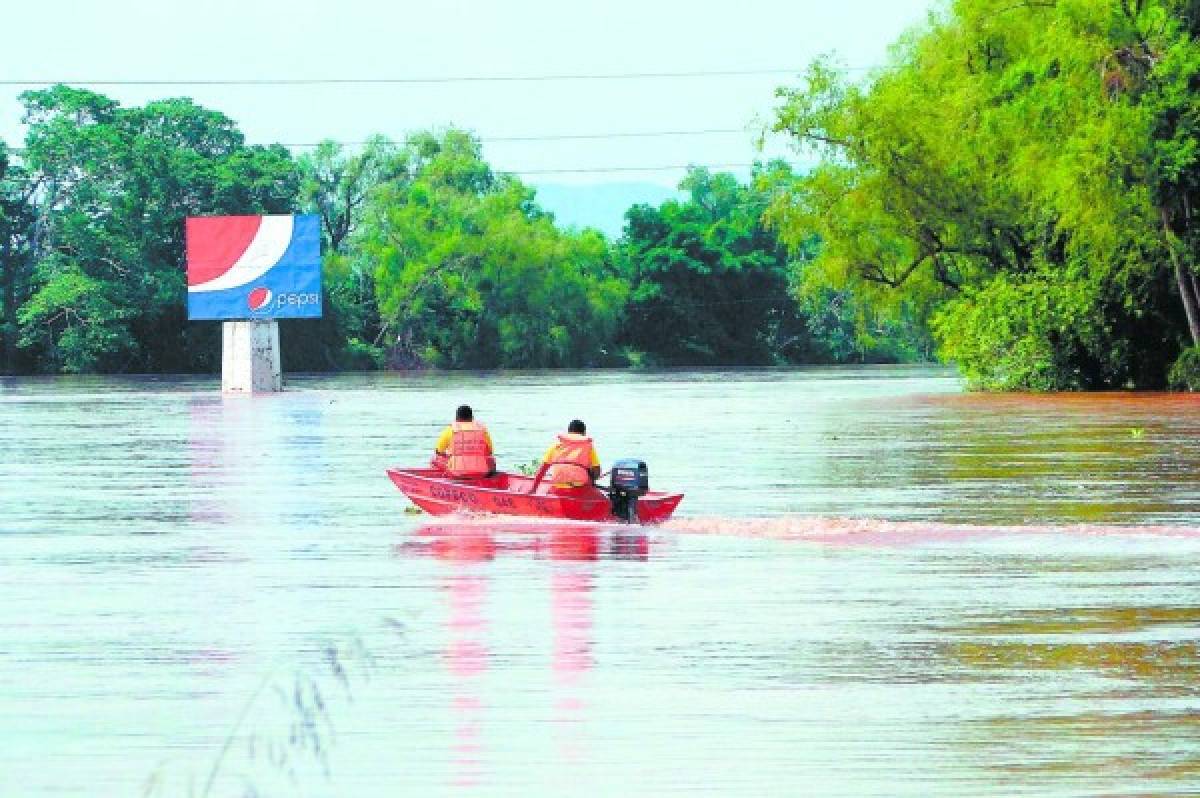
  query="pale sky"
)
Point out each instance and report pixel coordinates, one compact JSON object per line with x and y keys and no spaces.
{"x":132,"y":40}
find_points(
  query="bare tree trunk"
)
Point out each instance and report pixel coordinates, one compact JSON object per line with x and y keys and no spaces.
{"x":1184,"y":279}
{"x":9,"y":268}
{"x":1195,"y":285}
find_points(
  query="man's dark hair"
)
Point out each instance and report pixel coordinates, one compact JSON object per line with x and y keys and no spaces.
{"x":464,"y":413}
{"x":577,"y":427}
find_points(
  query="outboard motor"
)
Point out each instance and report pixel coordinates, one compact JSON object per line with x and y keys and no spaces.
{"x":628,"y":480}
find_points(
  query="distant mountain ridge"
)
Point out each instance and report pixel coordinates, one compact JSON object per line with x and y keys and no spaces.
{"x":599,"y":205}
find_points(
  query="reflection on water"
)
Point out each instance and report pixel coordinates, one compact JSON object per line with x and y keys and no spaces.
{"x":877,"y":586}
{"x":572,"y":659}
{"x":467,"y":659}
{"x":466,"y":544}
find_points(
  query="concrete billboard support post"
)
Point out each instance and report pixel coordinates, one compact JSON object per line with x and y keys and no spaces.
{"x":250,"y":357}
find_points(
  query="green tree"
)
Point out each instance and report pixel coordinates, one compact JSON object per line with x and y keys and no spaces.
{"x":709,"y":282}
{"x":17,"y":233}
{"x":471,"y":273}
{"x":114,"y":187}
{"x":1020,"y":176}
{"x":712,"y":283}
{"x":1157,"y":67}
{"x":335,"y":185}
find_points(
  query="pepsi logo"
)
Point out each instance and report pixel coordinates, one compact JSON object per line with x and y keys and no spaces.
{"x":259,"y":298}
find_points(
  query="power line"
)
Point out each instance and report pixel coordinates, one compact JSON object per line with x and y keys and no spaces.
{"x":523,"y":138}
{"x":601,"y":169}
{"x":421,"y":80}
{"x":559,"y":137}
{"x":626,"y":135}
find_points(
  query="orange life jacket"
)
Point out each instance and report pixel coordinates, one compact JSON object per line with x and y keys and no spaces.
{"x":469,"y":454}
{"x":570,"y":460}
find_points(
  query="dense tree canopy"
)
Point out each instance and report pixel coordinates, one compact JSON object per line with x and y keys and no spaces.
{"x":708,"y":269}
{"x":1022,"y":175}
{"x":17,"y":234}
{"x":430,"y":258}
{"x":469,"y":272}
{"x":109,"y":189}
{"x":335,"y":186}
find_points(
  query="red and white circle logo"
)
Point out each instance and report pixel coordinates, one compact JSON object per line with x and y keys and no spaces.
{"x":259,"y":298}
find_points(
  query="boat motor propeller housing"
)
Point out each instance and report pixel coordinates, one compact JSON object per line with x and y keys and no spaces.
{"x":628,"y":480}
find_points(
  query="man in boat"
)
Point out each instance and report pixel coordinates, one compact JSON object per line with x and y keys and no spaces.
{"x":464,"y":449}
{"x":572,"y":462}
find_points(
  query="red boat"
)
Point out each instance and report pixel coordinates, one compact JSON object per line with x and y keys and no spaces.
{"x":512,"y":494}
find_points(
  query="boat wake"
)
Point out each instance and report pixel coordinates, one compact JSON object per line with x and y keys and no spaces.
{"x":835,"y":531}
{"x":878,"y":532}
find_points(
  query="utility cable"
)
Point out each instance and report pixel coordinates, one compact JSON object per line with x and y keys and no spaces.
{"x":601,"y":169}
{"x":561,"y":137}
{"x":716,"y":73}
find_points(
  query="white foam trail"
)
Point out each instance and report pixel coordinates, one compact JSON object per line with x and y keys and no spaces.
{"x":870,"y":531}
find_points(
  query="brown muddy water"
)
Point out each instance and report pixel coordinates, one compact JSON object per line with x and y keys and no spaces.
{"x":876,"y":585}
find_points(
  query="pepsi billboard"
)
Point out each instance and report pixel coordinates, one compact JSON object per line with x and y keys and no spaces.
{"x":253,"y":267}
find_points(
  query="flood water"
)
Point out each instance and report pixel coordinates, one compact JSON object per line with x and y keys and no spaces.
{"x":876,"y":585}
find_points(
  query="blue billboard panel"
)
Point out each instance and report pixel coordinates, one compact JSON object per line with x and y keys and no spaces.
{"x":254,"y":267}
